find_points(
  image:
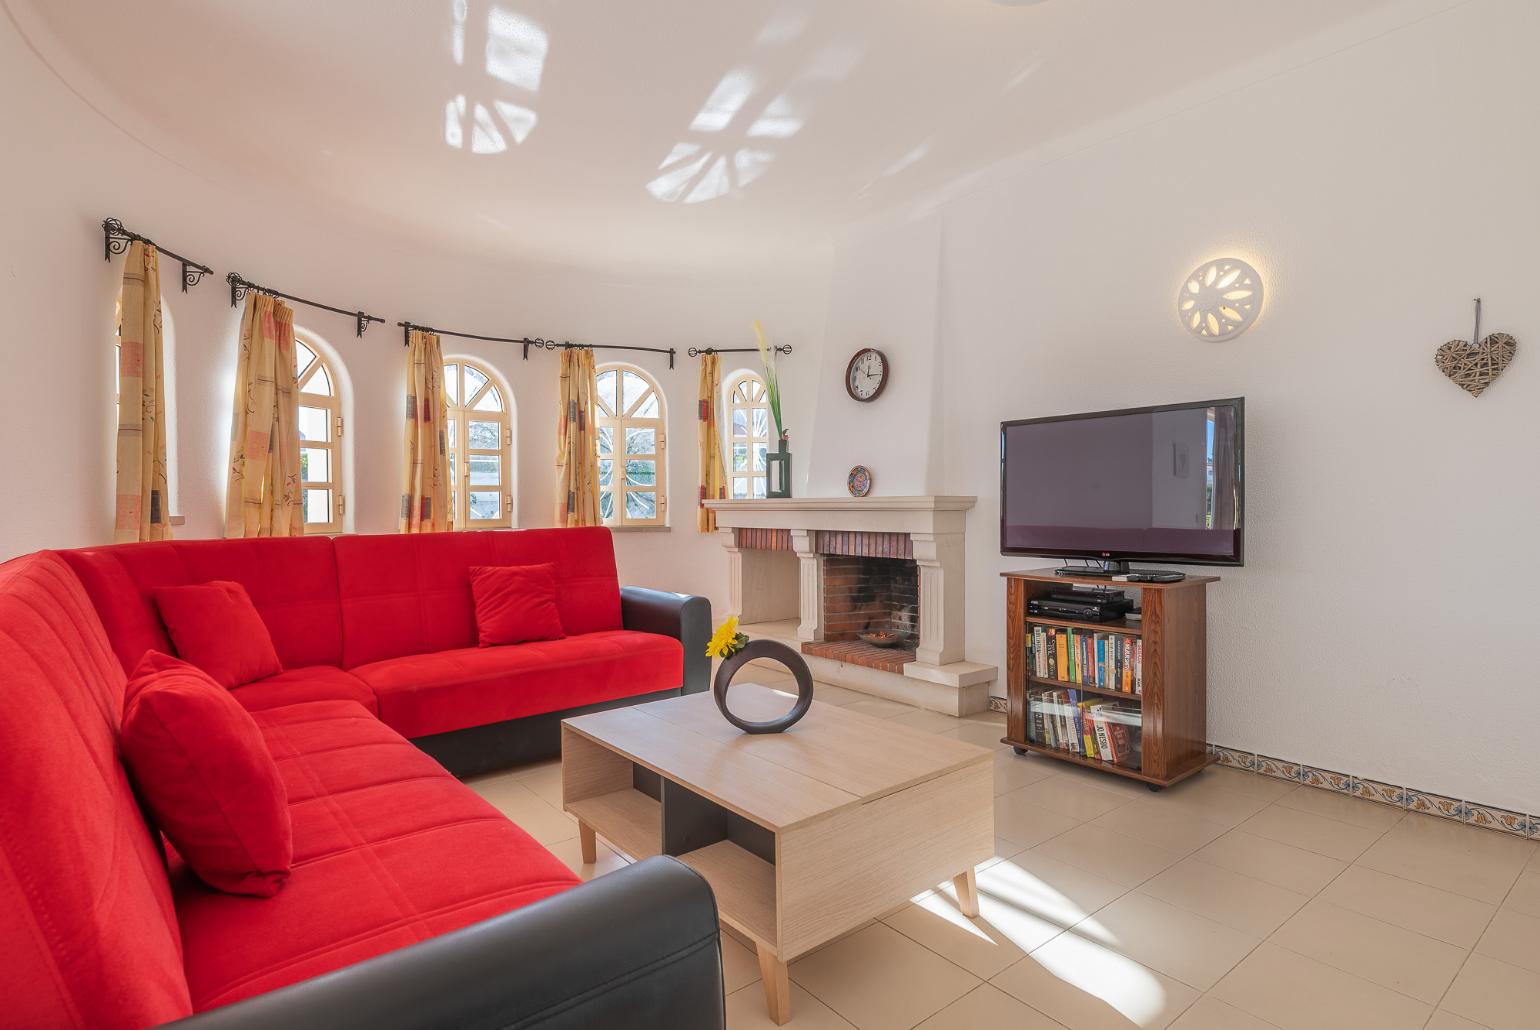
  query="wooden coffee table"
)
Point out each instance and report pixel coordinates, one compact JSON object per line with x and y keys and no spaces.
{"x":803,"y":835}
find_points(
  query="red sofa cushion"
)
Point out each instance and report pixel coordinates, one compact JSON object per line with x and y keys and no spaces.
{"x":410,"y":594}
{"x":313,"y":683}
{"x":389,"y":850}
{"x":471,"y":686}
{"x":88,"y":937}
{"x":292,"y":583}
{"x":215,"y":627}
{"x":515,"y":604}
{"x":201,"y":768}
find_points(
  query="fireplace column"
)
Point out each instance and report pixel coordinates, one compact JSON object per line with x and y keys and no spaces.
{"x":810,"y":594}
{"x":941,"y":558}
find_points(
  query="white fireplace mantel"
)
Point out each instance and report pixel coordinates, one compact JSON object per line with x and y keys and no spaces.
{"x":940,"y":677}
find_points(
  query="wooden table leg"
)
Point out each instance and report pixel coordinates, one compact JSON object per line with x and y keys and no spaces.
{"x":587,"y":843}
{"x":967,"y":893}
{"x":777,"y":986}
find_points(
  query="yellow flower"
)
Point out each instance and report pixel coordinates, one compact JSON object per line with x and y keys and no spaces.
{"x":725,"y":640}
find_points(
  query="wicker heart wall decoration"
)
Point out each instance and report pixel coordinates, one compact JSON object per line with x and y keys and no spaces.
{"x":1475,"y":364}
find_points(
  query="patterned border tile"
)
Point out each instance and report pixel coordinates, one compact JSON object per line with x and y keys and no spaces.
{"x":1516,"y":823}
{"x":1341,"y":782}
{"x":1278,"y":768}
{"x":996,"y":704}
{"x":1500,"y":820}
{"x":1384,"y":793}
{"x":1435,"y":804}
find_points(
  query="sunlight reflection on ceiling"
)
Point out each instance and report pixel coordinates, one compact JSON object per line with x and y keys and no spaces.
{"x":514,"y":55}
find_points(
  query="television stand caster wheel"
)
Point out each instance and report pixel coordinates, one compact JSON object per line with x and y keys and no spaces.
{"x":1019,"y":750}
{"x":1155,"y":788}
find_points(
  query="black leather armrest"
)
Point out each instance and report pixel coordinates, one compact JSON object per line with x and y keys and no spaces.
{"x":685,"y":617}
{"x":635,"y":948}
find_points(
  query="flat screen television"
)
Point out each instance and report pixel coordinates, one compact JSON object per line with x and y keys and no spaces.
{"x":1159,"y":484}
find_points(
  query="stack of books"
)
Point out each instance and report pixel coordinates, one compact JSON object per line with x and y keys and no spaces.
{"x":1111,"y":661}
{"x":1099,"y":729}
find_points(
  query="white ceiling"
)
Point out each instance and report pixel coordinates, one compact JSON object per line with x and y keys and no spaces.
{"x":672,"y":132}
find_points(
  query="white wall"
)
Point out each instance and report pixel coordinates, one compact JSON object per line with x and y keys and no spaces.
{"x":1380,"y":625}
{"x":69,"y":167}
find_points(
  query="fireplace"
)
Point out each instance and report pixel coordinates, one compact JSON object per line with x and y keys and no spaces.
{"x":872,"y":594}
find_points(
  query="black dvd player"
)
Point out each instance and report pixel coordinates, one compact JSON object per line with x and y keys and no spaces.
{"x":1085,"y":611}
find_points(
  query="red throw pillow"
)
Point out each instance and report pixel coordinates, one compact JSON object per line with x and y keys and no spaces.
{"x":202,"y":769}
{"x":216,"y":627}
{"x":515,"y":603}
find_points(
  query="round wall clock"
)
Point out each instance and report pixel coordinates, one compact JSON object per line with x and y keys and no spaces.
{"x":859,"y":482}
{"x":866,"y":374}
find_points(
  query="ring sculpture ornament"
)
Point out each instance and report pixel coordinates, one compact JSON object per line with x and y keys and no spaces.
{"x":777,"y":652}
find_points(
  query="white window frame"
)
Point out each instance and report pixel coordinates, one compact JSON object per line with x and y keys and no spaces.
{"x":746,"y":393}
{"x":609,"y":416}
{"x":321,"y":363}
{"x":462,"y":411}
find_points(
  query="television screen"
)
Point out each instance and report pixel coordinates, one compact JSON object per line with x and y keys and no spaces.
{"x":1160,"y":484}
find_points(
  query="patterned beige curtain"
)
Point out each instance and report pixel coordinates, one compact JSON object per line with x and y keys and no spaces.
{"x":140,"y":498}
{"x":426,"y":472}
{"x":262,"y":494}
{"x":577,"y":449}
{"x":713,"y":475}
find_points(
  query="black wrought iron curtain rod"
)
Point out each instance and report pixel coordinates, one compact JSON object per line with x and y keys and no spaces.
{"x":695,"y":352}
{"x":239,"y":286}
{"x":527,"y":342}
{"x":115,"y":240}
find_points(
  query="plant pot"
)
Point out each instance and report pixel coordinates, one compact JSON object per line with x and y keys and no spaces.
{"x":776,"y":652}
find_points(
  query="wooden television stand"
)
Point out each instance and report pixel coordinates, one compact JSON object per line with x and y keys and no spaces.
{"x":1170,"y":711}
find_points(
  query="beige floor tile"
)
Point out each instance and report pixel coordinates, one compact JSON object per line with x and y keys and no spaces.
{"x":1377,"y":951}
{"x":1085,"y":986}
{"x":538,"y":819}
{"x":1452,"y":918}
{"x":1024,"y":824}
{"x":746,"y":1011}
{"x":544,"y":782}
{"x":1323,"y":836}
{"x":983,"y":946}
{"x":1342,"y":807}
{"x":523,"y":772}
{"x":1079,"y":801}
{"x":1291,"y":868}
{"x":1210,"y":799}
{"x":1107,"y":853}
{"x":1238,"y":901}
{"x":1013,"y":771}
{"x":878,"y":707}
{"x":1468,"y":860}
{"x":1525,"y":895}
{"x":1494,"y":994}
{"x":929,"y":722}
{"x":570,"y":851}
{"x":1449,"y":1021}
{"x":1041,"y":886}
{"x":1162,"y":825}
{"x":1266,"y":787}
{"x":978,"y":733}
{"x":987,"y":717}
{"x":1134,"y":790}
{"x":880,"y":979}
{"x":1209,"y":1013}
{"x":740,"y":965}
{"x":1298,"y":993}
{"x":1168,"y":939}
{"x":833,"y":694}
{"x":987,"y":1006}
{"x":1514,"y":937}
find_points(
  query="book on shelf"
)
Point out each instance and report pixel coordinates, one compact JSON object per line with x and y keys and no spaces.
{"x":1099,"y":729}
{"x":1109,"y":661}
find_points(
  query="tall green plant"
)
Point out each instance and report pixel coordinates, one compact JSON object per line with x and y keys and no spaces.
{"x":772,"y":379}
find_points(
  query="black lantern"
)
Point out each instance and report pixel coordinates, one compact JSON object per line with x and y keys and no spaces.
{"x":778,"y":471}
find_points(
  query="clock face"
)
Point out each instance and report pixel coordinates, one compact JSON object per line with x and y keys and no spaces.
{"x":867,"y":374}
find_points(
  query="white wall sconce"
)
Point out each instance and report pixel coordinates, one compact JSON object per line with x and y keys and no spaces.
{"x":1221,"y":299}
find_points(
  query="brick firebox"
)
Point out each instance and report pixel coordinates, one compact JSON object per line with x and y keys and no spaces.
{"x":862,"y":593}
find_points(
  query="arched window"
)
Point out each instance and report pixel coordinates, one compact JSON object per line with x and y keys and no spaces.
{"x":320,"y":435}
{"x":480,"y":447}
{"x":748,"y":439}
{"x":631,"y":421}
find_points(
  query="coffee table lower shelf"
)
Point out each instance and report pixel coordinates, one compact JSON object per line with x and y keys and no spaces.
{"x":1181,"y":774}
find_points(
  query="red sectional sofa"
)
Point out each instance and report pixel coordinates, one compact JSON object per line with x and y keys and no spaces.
{"x":411,"y":902}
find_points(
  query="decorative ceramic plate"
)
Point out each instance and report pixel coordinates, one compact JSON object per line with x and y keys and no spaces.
{"x":859,"y":482}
